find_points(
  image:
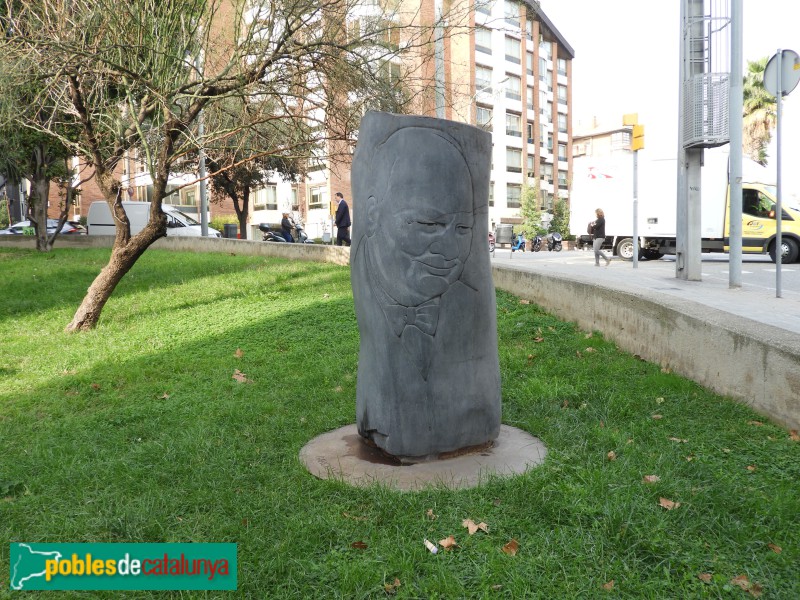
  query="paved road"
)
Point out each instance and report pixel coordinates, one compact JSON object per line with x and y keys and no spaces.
{"x":756,"y":299}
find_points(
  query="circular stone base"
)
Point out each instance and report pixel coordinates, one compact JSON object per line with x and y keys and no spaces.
{"x":342,"y":454}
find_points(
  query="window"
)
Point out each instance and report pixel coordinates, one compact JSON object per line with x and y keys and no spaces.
{"x":293,"y":199}
{"x":484,"y":6}
{"x":562,"y":66}
{"x":549,"y":142}
{"x":513,"y":125}
{"x":529,"y":29}
{"x":513,"y":160}
{"x":562,"y":94}
{"x":513,"y":195}
{"x":513,"y":87}
{"x":483,"y":117}
{"x":483,"y":79}
{"x":529,"y":62}
{"x":266,"y":198}
{"x":545,"y":50}
{"x":513,"y":50}
{"x":542,"y":68}
{"x":547,"y":173}
{"x":318,"y":197}
{"x":562,"y":178}
{"x":483,"y":40}
{"x":531,"y":129}
{"x":511,"y":12}
{"x":562,"y":123}
{"x":562,"y":152}
{"x":531,"y":165}
{"x":621,"y":140}
{"x":529,"y":98}
{"x":758,"y":204}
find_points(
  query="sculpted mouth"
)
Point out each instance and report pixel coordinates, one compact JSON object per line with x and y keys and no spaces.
{"x":438,"y":266}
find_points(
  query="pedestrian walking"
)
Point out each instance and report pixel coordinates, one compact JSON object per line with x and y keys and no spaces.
{"x":342,"y":221}
{"x":598,"y":229}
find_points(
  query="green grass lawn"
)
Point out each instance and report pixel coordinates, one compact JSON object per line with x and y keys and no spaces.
{"x":137,"y":432}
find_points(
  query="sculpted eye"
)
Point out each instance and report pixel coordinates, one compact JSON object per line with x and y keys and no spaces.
{"x":464,"y":229}
{"x":429,"y":225}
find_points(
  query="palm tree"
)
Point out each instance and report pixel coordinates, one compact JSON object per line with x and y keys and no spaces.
{"x":760,"y":112}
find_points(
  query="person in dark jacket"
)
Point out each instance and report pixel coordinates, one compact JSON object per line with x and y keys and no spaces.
{"x":286,"y":228}
{"x":342,"y":221}
{"x":599,"y":236}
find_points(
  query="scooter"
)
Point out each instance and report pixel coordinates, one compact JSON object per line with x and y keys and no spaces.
{"x":519,"y":243}
{"x":300,"y":235}
{"x":267,"y":235}
{"x":536,"y":243}
{"x":554,"y":242}
{"x":491,"y":242}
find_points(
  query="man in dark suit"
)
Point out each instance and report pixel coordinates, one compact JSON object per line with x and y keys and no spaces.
{"x":342,"y":221}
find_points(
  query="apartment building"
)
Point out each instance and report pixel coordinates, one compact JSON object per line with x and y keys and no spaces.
{"x":508,"y":70}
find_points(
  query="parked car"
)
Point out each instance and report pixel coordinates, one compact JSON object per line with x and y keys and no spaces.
{"x":70,"y":227}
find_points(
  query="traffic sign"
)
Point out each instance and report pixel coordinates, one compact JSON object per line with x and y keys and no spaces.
{"x":790,"y":73}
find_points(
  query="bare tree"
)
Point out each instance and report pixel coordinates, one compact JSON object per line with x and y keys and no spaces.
{"x":134,"y":78}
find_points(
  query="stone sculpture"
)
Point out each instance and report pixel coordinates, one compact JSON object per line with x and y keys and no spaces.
{"x":428,"y":373}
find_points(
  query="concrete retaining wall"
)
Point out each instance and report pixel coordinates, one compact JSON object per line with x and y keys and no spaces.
{"x":756,"y":364}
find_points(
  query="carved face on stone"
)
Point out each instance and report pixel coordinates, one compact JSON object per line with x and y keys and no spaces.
{"x":420,"y":231}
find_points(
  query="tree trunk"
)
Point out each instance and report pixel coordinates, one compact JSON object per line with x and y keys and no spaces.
{"x":122,"y":259}
{"x":41,"y":189}
{"x":242,"y":213}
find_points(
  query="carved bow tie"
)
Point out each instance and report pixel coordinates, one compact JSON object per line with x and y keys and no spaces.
{"x":424,"y":317}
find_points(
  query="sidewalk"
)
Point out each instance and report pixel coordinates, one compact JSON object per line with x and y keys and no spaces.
{"x":657,"y":278}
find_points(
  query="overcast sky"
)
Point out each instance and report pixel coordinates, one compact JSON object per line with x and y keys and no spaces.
{"x":627,"y":60}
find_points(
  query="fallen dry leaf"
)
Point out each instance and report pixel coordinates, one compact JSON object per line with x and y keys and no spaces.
{"x":565,"y":404}
{"x":164,"y":396}
{"x":666,"y":370}
{"x":656,"y":417}
{"x":668,"y":504}
{"x":659,"y":400}
{"x":756,"y":423}
{"x":430,"y":514}
{"x":511,"y":548}
{"x":590,"y":349}
{"x":448,"y":542}
{"x":578,"y":354}
{"x":651,"y":479}
{"x":497,"y":587}
{"x":538,"y":340}
{"x":588,"y":336}
{"x":239,"y":376}
{"x":238,"y":353}
{"x":523,"y":301}
{"x":751,"y":468}
{"x":95,"y":386}
{"x":609,"y":585}
{"x":359,"y":545}
{"x":793,"y":435}
{"x":602,"y":425}
{"x":690,"y":458}
{"x":753,"y":589}
{"x":391,"y":588}
{"x":612,"y":455}
{"x":776,"y":549}
{"x":679,"y":440}
{"x":706,"y":577}
{"x":473,"y":527}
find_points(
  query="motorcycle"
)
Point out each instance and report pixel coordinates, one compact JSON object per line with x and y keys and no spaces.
{"x":554,"y":242}
{"x":267,"y":235}
{"x":519,"y":243}
{"x":491,"y":242}
{"x":300,"y":235}
{"x":536,"y":243}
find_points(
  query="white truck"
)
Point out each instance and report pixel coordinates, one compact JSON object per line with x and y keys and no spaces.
{"x":607,"y":183}
{"x":100,"y":222}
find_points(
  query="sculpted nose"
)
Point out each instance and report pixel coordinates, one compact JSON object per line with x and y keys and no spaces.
{"x":447,"y":244}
